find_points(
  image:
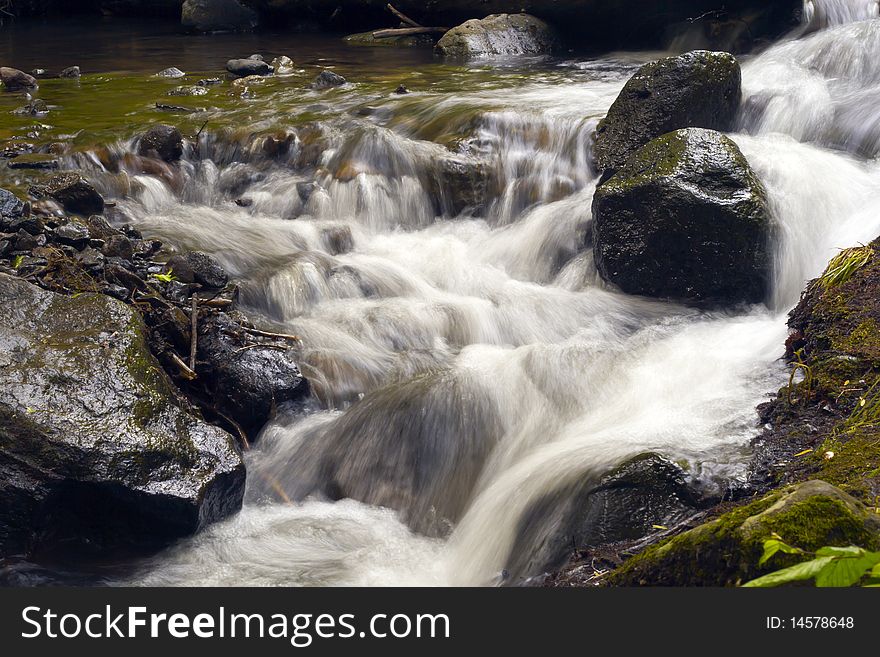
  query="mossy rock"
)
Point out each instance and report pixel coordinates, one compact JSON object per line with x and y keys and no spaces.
{"x":699,"y":89}
{"x":726,"y":551}
{"x":97,"y":451}
{"x":409,"y":41}
{"x":685,"y":219}
{"x":499,"y":35}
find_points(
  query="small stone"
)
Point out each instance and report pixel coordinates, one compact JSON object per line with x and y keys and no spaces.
{"x":73,"y":192}
{"x":198,"y":267}
{"x":74,"y":233}
{"x":328,"y":79}
{"x":401,"y":90}
{"x":116,"y":291}
{"x":119,"y":246}
{"x":188,"y":91}
{"x":70,"y":72}
{"x":172,"y":72}
{"x":162,"y":141}
{"x":35,"y":162}
{"x":209,"y":82}
{"x":90,"y":258}
{"x":246,"y":67}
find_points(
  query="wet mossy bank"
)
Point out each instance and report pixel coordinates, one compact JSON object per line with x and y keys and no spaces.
{"x":816,"y":464}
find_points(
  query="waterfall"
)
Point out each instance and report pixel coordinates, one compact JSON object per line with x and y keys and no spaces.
{"x":469,"y":365}
{"x":819,"y":14}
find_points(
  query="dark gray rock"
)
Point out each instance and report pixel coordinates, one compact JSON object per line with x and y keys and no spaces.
{"x":12,"y":207}
{"x":70,"y":72}
{"x":97,"y":452}
{"x":328,"y":80}
{"x":246,"y":383}
{"x":15,"y":80}
{"x":624,"y":504}
{"x":198,"y":267}
{"x":118,"y":246}
{"x":698,"y":89}
{"x":73,"y":233}
{"x":685,"y":219}
{"x":499,"y":35}
{"x":73,"y":192}
{"x":188,"y":90}
{"x":164,"y":142}
{"x":245,"y":67}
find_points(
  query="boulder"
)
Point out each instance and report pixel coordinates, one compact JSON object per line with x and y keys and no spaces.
{"x":198,"y":267}
{"x":217,"y":16}
{"x":97,"y":451}
{"x":698,"y":89}
{"x":15,"y":80}
{"x":685,"y":219}
{"x":625,"y":504}
{"x":499,"y":35}
{"x":73,"y":192}
{"x":457,"y":183}
{"x":162,"y":141}
{"x":245,"y":67}
{"x":726,"y":551}
{"x":246,"y":381}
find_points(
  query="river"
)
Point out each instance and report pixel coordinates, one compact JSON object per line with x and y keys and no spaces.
{"x":469,"y":365}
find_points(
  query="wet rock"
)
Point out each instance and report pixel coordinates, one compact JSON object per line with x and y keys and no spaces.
{"x":75,"y":234}
{"x":457,"y":184}
{"x":11,"y":208}
{"x":198,"y":267}
{"x":172,"y":72}
{"x":98,"y":452}
{"x":73,"y":192}
{"x":726,"y":551}
{"x":70,"y":72}
{"x":625,"y":504}
{"x":24,"y":241}
{"x":100,"y":228}
{"x":189,"y":90}
{"x":408,"y":41}
{"x":236,"y":178}
{"x":118,"y":246}
{"x":34,"y":162}
{"x":685,"y":219}
{"x":217,"y":16}
{"x":338,"y":240}
{"x":15,"y":80}
{"x":305,"y":190}
{"x":162,"y":141}
{"x":328,"y":80}
{"x":247,"y":382}
{"x":283,"y":65}
{"x":37,"y":107}
{"x":209,"y":82}
{"x":699,"y":89}
{"x":245,"y":67}
{"x":401,"y":90}
{"x":499,"y":35}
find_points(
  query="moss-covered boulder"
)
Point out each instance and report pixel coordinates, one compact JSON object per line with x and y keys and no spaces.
{"x":499,"y":35}
{"x":407,"y":41}
{"x":97,"y":451}
{"x":685,"y":219}
{"x":698,"y":89}
{"x":726,"y":551}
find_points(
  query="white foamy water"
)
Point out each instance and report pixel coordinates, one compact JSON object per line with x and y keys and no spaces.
{"x":471,"y":365}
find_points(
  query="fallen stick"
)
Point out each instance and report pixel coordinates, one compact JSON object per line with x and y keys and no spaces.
{"x":261,"y":346}
{"x":194,"y":332}
{"x":403,"y":17}
{"x":408,"y":31}
{"x":267,"y":334}
{"x":185,"y":371}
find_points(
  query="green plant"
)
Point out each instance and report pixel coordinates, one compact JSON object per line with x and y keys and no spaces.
{"x":807,"y":371}
{"x":829,"y":566}
{"x":844,"y":265}
{"x":16,"y":263}
{"x":165,"y":278}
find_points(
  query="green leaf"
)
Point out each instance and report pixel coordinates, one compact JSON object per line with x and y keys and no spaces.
{"x":851,"y":551}
{"x":846,"y":571}
{"x":802,"y":571}
{"x":773,"y":545}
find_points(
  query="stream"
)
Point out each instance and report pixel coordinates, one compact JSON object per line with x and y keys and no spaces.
{"x":467,"y":363}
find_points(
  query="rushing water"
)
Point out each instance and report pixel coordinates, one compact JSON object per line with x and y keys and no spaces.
{"x":468,"y":364}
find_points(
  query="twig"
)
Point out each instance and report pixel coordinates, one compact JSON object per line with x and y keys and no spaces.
{"x":408,"y":31}
{"x":199,"y":133}
{"x":194,"y":330}
{"x":403,"y":17}
{"x":261,"y":346}
{"x":266,"y":334}
{"x":185,"y":371}
{"x":217,"y":303}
